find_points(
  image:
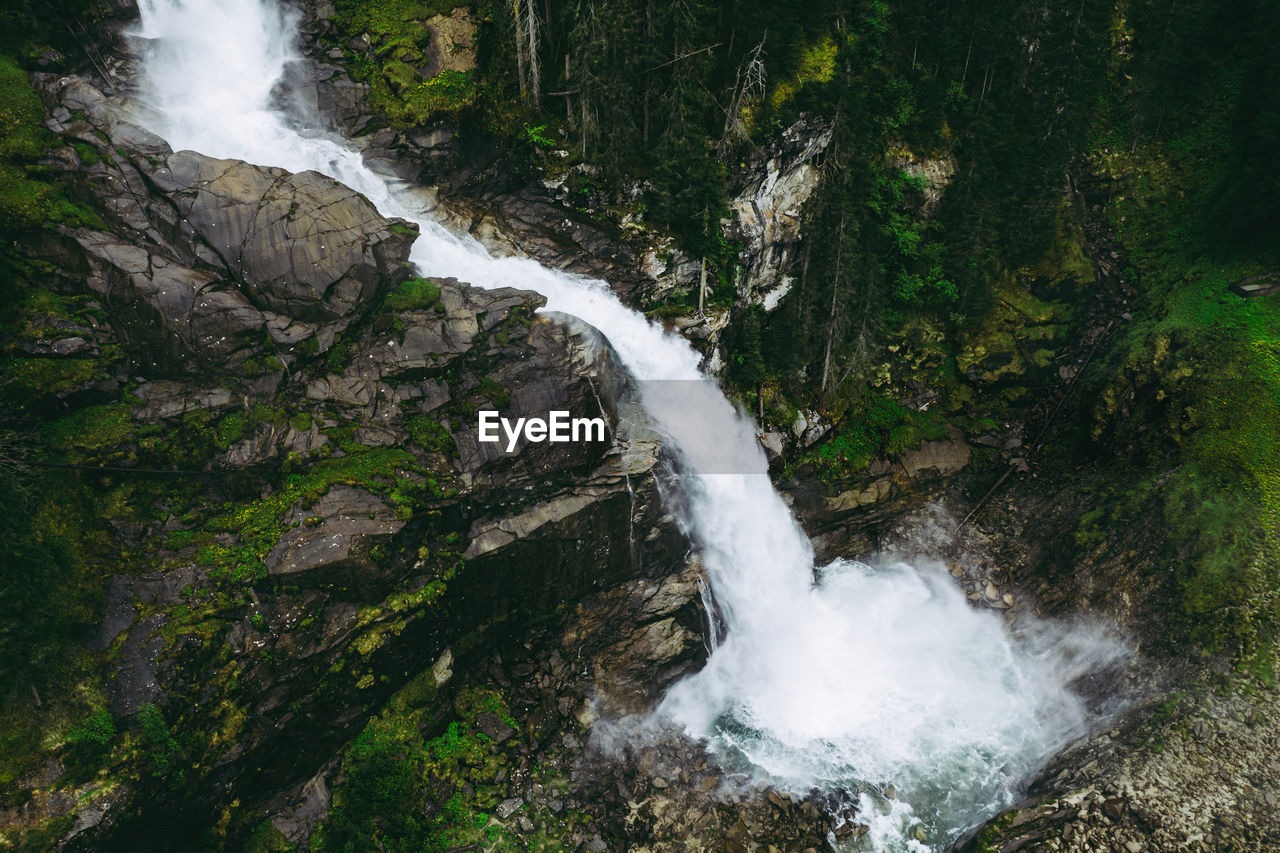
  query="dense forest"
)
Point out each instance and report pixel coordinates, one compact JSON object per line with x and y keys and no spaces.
{"x":1139,"y":136}
{"x":1165,"y":107}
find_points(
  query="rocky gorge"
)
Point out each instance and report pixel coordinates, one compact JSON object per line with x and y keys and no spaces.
{"x":307,"y":575}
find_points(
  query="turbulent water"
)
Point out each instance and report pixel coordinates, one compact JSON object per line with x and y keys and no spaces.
{"x":863,"y":678}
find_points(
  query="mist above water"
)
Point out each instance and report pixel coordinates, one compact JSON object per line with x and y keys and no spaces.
{"x":846,"y":677}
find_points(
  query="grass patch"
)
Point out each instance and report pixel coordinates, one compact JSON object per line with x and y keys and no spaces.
{"x":872,"y":425}
{"x":413,"y":295}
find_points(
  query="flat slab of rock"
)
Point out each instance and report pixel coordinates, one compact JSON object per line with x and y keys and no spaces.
{"x":347,"y":516}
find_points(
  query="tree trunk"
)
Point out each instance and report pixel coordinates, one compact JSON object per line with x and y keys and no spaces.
{"x":535,"y":75}
{"x":835,"y":291}
{"x":520,"y":48}
{"x":702,"y":286}
{"x":568,"y":94}
{"x":648,"y":77}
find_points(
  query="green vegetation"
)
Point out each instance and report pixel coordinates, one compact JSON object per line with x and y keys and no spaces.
{"x":80,"y":436}
{"x":967,"y":285}
{"x":49,"y":596}
{"x":872,"y":426}
{"x":258,"y":525}
{"x":161,"y":748}
{"x":1192,"y":389}
{"x":399,"y":41}
{"x":403,"y":790}
{"x":430,"y":435}
{"x":414,"y":294}
{"x":988,"y":840}
{"x":28,"y":198}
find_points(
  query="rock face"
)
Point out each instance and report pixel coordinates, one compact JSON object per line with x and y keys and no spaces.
{"x":839,"y":514}
{"x":219,"y":262}
{"x":766,"y":211}
{"x":453,"y":42}
{"x":1189,"y":777}
{"x":353,"y":531}
{"x":343,"y":519}
{"x":358,"y":535}
{"x":302,"y":244}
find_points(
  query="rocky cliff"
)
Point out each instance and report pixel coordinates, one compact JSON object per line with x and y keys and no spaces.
{"x":313,"y":531}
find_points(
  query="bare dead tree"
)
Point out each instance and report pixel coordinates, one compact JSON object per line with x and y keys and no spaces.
{"x":517,"y":14}
{"x":748,"y":88}
{"x":535,"y":70}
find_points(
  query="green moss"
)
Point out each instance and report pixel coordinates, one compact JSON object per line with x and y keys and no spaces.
{"x":872,"y":425}
{"x":493,"y":391}
{"x":45,"y":835}
{"x":27,"y":199}
{"x":400,"y":41}
{"x":267,"y":839}
{"x":413,"y":294}
{"x":308,"y":347}
{"x":988,"y":840}
{"x":87,"y":153}
{"x":258,"y":525}
{"x":430,"y":435}
{"x":28,"y":380}
{"x":405,"y":792}
{"x":338,"y":356}
{"x":1192,"y":388}
{"x":240,"y":424}
{"x":448,"y":92}
{"x":85,"y":433}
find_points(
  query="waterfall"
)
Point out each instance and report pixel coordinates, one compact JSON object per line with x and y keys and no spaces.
{"x":848,"y":675}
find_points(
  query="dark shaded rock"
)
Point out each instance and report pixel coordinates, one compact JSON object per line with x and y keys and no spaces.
{"x":493,"y":727}
{"x":336,"y":535}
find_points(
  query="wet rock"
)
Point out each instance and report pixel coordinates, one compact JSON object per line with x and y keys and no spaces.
{"x":853,"y":499}
{"x":299,"y":818}
{"x":211,"y":257}
{"x":772,"y":444}
{"x":302,"y":244}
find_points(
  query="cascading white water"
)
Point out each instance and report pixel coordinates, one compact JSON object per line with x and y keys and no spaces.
{"x":869,"y":676}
